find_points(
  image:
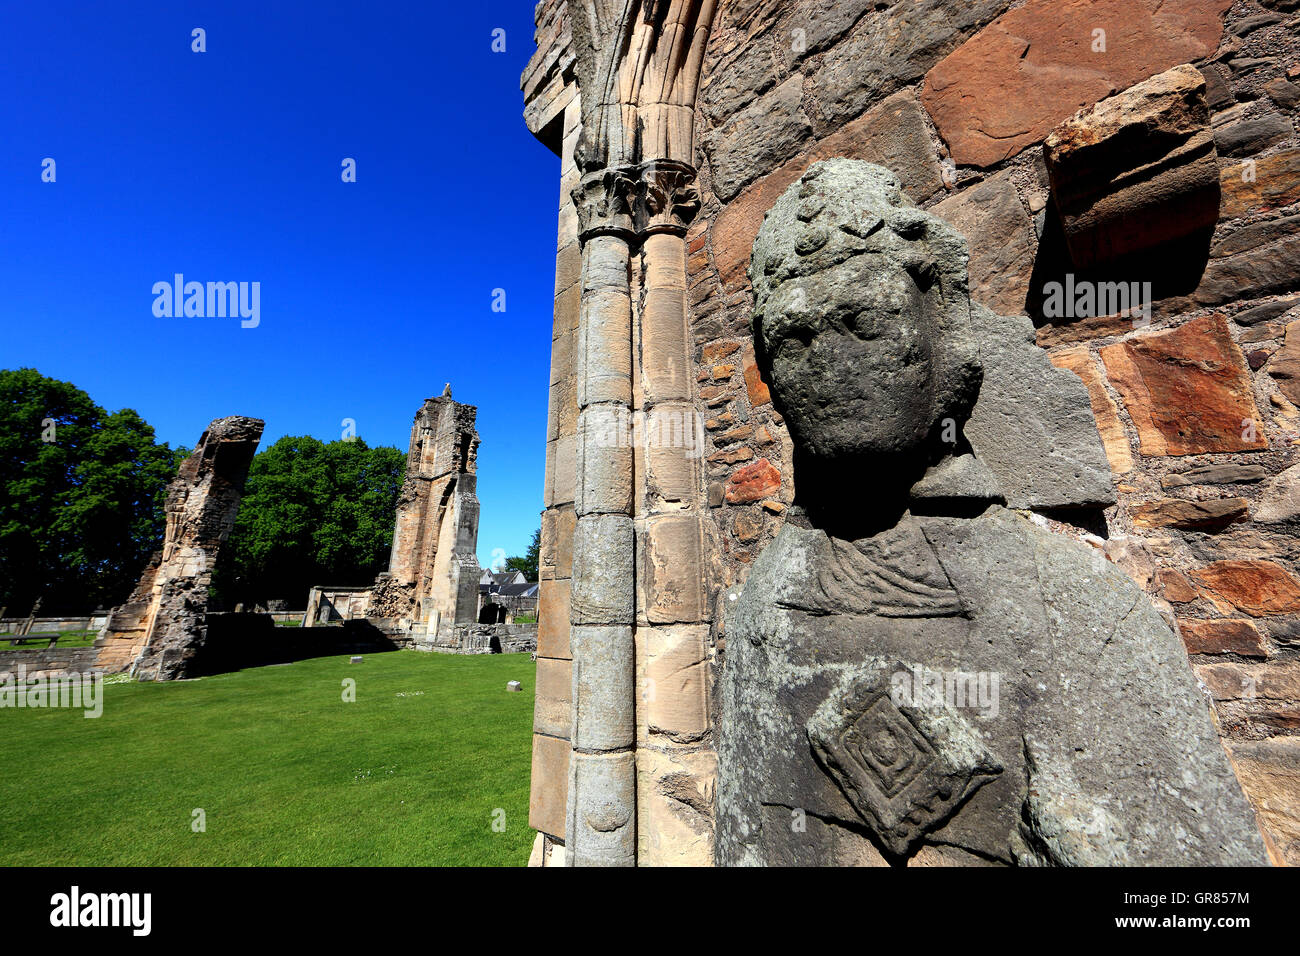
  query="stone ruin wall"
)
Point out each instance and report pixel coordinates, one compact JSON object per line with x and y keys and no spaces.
{"x":553,"y":112}
{"x":160,"y":628}
{"x":428,"y":597}
{"x":634,"y":521}
{"x":1206,"y":512}
{"x":433,"y":571}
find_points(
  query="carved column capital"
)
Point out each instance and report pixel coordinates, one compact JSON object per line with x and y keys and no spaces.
{"x":604,"y":199}
{"x":660,"y":196}
{"x":668,"y":198}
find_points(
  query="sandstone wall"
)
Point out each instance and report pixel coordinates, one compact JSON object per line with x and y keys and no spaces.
{"x":554,"y":658}
{"x":43,"y":662}
{"x":960,"y":114}
{"x":162,"y":626}
{"x":1197,"y":409}
{"x":433,"y":570}
{"x":482,"y":639}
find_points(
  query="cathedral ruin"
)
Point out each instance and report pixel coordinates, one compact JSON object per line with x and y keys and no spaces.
{"x":163,"y":625}
{"x":433,"y":571}
{"x":1139,"y":147}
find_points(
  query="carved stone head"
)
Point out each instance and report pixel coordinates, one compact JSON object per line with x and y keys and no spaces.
{"x":862,"y":318}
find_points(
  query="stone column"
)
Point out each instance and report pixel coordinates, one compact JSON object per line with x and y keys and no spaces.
{"x":601,"y":813}
{"x":638,"y":599}
{"x":674,"y":761}
{"x":636,"y":568}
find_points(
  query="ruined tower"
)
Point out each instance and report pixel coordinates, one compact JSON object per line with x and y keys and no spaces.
{"x":433,"y":569}
{"x":162,"y":626}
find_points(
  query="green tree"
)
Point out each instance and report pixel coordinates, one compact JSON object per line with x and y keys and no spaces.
{"x":81,"y":494}
{"x":312,"y":513}
{"x":531,"y":561}
{"x":115,"y":519}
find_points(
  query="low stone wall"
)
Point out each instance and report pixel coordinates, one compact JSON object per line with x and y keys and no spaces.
{"x":45,"y":625}
{"x":79,"y":660}
{"x":239,"y":640}
{"x":482,"y":639}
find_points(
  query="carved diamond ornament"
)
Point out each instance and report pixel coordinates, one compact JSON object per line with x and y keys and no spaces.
{"x":904,"y":769}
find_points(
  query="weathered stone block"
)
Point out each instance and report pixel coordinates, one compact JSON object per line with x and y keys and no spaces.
{"x":552,"y":714}
{"x":1284,"y":365}
{"x":1252,"y":135}
{"x":1003,"y":90}
{"x":565,"y":315}
{"x":1223,"y":637}
{"x":1136,"y":170}
{"x":1032,"y":424}
{"x":665,"y":361}
{"x":1257,"y":588}
{"x":604,"y":560}
{"x":562,"y":465}
{"x":755,"y":387}
{"x":758,"y":139}
{"x":1173,"y":586}
{"x":675,"y":806}
{"x":1180,"y":513}
{"x":738,"y":80}
{"x":1218,"y":473}
{"x":674,"y":443}
{"x":1270,"y":267}
{"x":604,"y":461}
{"x":894,"y":44}
{"x":604,"y":369}
{"x":1270,"y":774}
{"x":753,"y":482}
{"x":602,"y":811}
{"x":1114,"y":439}
{"x":672,"y":582}
{"x":892,"y":134}
{"x":557,"y":543}
{"x":1260,"y":185}
{"x":568,"y":266}
{"x":1275,"y":682}
{"x":1279,"y":500}
{"x":549,"y":789}
{"x":604,"y":679}
{"x":1187,"y":390}
{"x":675,"y":688}
{"x":1000,"y":236}
{"x":553,"y":618}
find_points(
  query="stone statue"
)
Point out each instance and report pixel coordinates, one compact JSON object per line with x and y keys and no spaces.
{"x":914,"y":673}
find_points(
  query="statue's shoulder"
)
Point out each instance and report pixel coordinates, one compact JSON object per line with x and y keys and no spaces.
{"x":788,"y":567}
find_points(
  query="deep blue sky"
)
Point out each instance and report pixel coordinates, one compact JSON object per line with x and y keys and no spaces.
{"x":225,"y":166}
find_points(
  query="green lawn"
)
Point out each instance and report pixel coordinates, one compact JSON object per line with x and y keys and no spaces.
{"x":66,"y":639}
{"x":413,"y":773}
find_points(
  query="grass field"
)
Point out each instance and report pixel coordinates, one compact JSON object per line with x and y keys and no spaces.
{"x":66,"y":639}
{"x":415,"y":772}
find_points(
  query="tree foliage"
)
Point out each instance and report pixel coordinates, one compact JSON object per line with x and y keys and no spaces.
{"x":81,"y":496}
{"x":312,"y":513}
{"x":530,"y":562}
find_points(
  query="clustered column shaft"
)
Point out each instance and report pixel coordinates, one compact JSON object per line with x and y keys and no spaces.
{"x":620,"y":209}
